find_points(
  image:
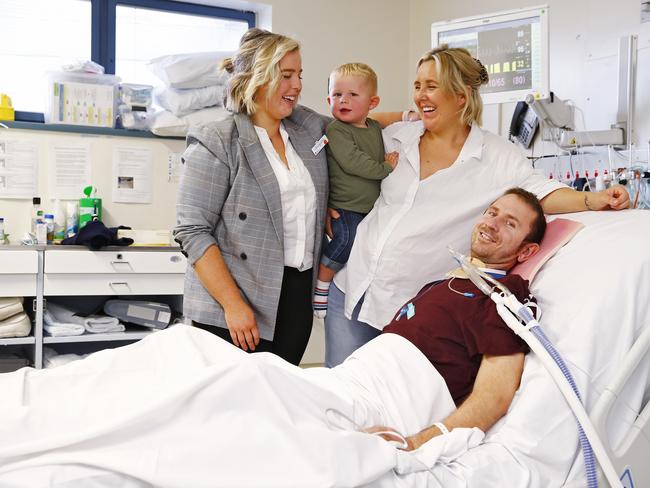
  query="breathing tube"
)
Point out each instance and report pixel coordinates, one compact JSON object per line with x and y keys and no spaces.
{"x":521,"y":320}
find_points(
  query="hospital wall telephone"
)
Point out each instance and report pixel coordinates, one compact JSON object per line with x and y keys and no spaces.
{"x":523,"y":125}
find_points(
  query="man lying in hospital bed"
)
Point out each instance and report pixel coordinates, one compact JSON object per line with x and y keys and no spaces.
{"x":182,"y":408}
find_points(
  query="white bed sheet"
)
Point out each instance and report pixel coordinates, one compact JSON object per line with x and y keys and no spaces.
{"x":182,"y":408}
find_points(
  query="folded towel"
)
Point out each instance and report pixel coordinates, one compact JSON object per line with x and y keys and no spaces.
{"x":10,"y":306}
{"x":56,"y":328}
{"x":98,"y":324}
{"x":62,"y":314}
{"x":17,"y":325}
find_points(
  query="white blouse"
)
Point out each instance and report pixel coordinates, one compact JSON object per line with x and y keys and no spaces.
{"x":298,"y":197}
{"x":401,"y":245}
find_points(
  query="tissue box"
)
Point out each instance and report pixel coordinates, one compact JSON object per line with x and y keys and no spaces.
{"x":82,"y":99}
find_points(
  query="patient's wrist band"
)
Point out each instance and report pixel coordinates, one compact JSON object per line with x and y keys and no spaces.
{"x":442,"y":428}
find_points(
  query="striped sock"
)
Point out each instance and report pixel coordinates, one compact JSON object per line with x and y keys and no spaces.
{"x":320,"y":298}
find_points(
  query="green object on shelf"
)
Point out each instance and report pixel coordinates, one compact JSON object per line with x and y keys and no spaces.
{"x":90,"y":207}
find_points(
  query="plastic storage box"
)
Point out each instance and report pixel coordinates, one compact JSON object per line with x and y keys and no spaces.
{"x":82,"y":99}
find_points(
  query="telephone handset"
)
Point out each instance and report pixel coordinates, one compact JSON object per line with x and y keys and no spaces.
{"x":523,"y":125}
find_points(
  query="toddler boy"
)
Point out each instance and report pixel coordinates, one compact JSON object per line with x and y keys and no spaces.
{"x":356,"y":162}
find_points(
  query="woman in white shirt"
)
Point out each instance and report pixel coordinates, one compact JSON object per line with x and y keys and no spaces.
{"x":449,"y":171}
{"x":251,"y":205}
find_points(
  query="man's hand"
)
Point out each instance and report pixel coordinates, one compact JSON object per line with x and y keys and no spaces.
{"x":331,"y":214}
{"x":391,"y":435}
{"x":392,"y":158}
{"x":614,"y":197}
{"x":242,"y":326}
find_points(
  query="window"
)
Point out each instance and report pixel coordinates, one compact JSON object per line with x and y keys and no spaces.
{"x":32,"y":45}
{"x":143,"y":34}
{"x":121,"y":35}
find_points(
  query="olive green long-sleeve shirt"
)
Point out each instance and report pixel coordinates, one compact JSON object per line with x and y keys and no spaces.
{"x":355,"y":159}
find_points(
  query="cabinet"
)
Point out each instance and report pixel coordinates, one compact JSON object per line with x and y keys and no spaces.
{"x":20,"y":277}
{"x":76,"y":273}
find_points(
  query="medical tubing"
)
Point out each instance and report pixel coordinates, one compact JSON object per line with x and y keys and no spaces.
{"x":511,"y":310}
{"x":587,"y":451}
{"x":574,"y":402}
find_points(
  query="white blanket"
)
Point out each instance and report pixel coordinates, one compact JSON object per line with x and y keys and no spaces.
{"x":183,"y":408}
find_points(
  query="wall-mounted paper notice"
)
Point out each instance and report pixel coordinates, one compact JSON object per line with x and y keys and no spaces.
{"x":18,"y":169}
{"x":132,"y":175}
{"x":69,"y":170}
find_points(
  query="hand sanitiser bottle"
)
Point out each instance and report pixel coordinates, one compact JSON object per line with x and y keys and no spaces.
{"x":59,"y":221}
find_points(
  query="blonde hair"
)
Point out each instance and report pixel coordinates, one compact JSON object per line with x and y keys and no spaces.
{"x":362,"y":70}
{"x":255,"y":64}
{"x":460,"y":73}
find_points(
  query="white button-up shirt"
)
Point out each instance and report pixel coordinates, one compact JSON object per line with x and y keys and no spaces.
{"x":298,"y":197}
{"x":401,"y":245}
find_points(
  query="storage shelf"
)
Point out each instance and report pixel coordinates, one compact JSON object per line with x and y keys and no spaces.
{"x":155,"y":273}
{"x":11,"y":341}
{"x":82,"y":129}
{"x":129,"y":335}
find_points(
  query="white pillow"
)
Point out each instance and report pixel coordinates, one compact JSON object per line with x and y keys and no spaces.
{"x":193,"y":70}
{"x":182,"y":102}
{"x":167,"y":124}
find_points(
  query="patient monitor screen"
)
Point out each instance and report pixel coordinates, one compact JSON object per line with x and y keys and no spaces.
{"x":512,"y":50}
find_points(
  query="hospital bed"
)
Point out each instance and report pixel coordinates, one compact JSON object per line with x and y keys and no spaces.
{"x":182,"y":408}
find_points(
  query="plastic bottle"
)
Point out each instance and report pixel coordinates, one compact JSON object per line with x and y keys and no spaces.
{"x":59,"y":221}
{"x":41,"y":232}
{"x":607,"y":179}
{"x":599,"y":181}
{"x":72,"y":220}
{"x":37,"y":213}
{"x":2,"y":231}
{"x":589,"y":182}
{"x":49,"y":221}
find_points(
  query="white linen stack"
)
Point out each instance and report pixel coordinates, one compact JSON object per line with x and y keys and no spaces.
{"x":14,"y":322}
{"x":61,"y":321}
{"x":193,"y":91}
{"x":99,"y":324}
{"x":52,"y":359}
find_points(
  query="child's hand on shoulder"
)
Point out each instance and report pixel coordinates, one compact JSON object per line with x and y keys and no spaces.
{"x":392,"y":158}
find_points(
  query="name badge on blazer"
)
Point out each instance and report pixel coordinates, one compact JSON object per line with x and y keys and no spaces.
{"x":320,"y":144}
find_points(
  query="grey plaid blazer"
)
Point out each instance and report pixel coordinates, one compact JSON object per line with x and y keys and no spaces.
{"x":229,"y":196}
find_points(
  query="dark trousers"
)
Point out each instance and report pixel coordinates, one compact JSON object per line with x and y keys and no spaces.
{"x":293,"y":321}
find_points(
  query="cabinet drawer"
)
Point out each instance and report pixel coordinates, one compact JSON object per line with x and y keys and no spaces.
{"x":122,"y":262}
{"x":19,"y":262}
{"x":17,"y":285}
{"x":112,"y":284}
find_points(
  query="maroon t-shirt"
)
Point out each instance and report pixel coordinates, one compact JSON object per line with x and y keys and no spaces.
{"x":454,"y":331}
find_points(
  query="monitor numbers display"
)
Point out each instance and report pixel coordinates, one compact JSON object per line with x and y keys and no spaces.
{"x":511,"y":45}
